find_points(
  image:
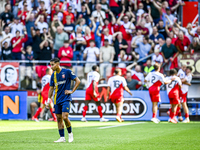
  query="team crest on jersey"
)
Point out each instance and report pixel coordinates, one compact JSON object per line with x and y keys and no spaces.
{"x":63,"y":76}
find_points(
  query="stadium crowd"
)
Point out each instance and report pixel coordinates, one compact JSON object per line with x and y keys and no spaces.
{"x":94,"y":30}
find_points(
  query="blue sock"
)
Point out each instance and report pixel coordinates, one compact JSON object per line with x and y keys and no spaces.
{"x":69,"y":129}
{"x":61,"y":132}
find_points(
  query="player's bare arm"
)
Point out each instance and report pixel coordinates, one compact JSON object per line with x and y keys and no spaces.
{"x":108,"y":91}
{"x":127,"y":90}
{"x":77,"y":82}
{"x":184,"y":81}
{"x":50,"y":94}
{"x":94,"y":92}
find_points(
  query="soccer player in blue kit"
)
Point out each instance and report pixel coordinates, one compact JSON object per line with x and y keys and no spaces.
{"x":60,"y":82}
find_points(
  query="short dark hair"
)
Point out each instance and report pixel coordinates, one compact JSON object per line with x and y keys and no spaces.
{"x":189,"y":67}
{"x":37,"y":29}
{"x":117,"y":70}
{"x":156,"y":66}
{"x":66,"y":41}
{"x":17,"y":31}
{"x":83,"y":4}
{"x":47,"y":70}
{"x":146,"y":37}
{"x":128,"y":72}
{"x":177,"y":69}
{"x":55,"y":60}
{"x":172,"y":72}
{"x":94,"y":67}
{"x":92,"y":41}
{"x":6,"y":4}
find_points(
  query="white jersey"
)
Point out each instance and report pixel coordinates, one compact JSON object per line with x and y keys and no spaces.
{"x":174,"y":85}
{"x":181,"y":74}
{"x":155,"y":79}
{"x":138,"y":75}
{"x":92,"y":76}
{"x":116,"y":82}
{"x":45,"y":80}
{"x":185,"y":87}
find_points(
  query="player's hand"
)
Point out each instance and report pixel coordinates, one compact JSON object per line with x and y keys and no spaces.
{"x":47,"y":102}
{"x":67,"y":92}
{"x":95,"y":94}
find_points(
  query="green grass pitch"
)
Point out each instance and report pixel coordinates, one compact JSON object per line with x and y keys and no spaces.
{"x":26,"y":135}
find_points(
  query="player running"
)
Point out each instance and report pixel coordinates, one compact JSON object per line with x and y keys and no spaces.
{"x":117,"y":84}
{"x":61,"y":81}
{"x":45,"y":89}
{"x":184,"y":90}
{"x":173,"y":91}
{"x":155,"y":79}
{"x":92,"y":93}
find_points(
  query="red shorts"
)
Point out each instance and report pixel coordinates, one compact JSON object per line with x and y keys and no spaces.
{"x":183,"y":97}
{"x":155,"y":97}
{"x":90,"y":96}
{"x":117,"y":100}
{"x":174,"y":100}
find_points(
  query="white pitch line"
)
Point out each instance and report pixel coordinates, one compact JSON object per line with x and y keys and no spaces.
{"x":120,"y":125}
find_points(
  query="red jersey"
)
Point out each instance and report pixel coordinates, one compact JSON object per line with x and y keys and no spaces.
{"x":182,"y":44}
{"x":69,"y":56}
{"x":126,"y":35}
{"x":117,"y":84}
{"x":23,"y":17}
{"x":18,"y":47}
{"x":113,"y":3}
{"x":112,"y":28}
{"x":65,"y":14}
{"x":89,"y":38}
{"x":53,"y":9}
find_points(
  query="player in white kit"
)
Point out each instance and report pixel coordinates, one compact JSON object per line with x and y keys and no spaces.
{"x":116,"y":86}
{"x":92,"y":93}
{"x":45,"y":89}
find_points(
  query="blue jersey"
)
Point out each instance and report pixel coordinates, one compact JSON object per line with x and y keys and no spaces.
{"x":62,"y":81}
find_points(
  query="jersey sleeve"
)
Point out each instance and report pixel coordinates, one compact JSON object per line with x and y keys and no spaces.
{"x":109,"y":82}
{"x":52,"y":80}
{"x":124,"y":82}
{"x":162,"y":78}
{"x":147,"y":78}
{"x":96,"y":77}
{"x":189,"y":79}
{"x":71,"y":75}
{"x":179,"y":81}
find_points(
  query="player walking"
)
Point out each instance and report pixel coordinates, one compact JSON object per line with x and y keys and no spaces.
{"x":61,"y":81}
{"x":45,"y":89}
{"x":117,"y":84}
{"x":173,"y":91}
{"x":155,"y":79}
{"x":92,"y":93}
{"x":184,"y":90}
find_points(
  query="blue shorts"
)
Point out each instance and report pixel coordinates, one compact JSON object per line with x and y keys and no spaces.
{"x":63,"y":107}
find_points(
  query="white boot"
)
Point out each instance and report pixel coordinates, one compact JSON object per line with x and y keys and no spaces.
{"x":60,"y":140}
{"x":71,"y":138}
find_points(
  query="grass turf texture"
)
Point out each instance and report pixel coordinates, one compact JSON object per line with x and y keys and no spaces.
{"x":26,"y":135}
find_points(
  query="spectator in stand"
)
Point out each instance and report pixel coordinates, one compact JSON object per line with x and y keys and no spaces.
{"x":81,"y":23}
{"x":55,"y":23}
{"x":65,"y":53}
{"x":144,"y":47}
{"x":149,"y":22}
{"x":182,"y":43}
{"x":132,"y":83}
{"x":161,"y":42}
{"x":68,"y":13}
{"x":126,"y":28}
{"x":114,"y":7}
{"x":195,"y":45}
{"x":28,"y":56}
{"x":57,"y":2}
{"x":148,"y":68}
{"x":61,"y":36}
{"x":29,"y":25}
{"x":91,"y":54}
{"x":141,"y":25}
{"x":36,"y":40}
{"x":104,"y":6}
{"x":6,"y":33}
{"x":22,"y":14}
{"x":69,"y":27}
{"x":155,"y":13}
{"x":106,"y":57}
{"x":58,"y":13}
{"x":46,"y":47}
{"x":138,"y":38}
{"x":85,"y":12}
{"x":155,"y":36}
{"x":40,"y":24}
{"x":6,"y":50}
{"x":105,"y":35}
{"x":136,"y":73}
{"x":168,"y":18}
{"x":161,"y":29}
{"x":99,"y":13}
{"x":122,"y":58}
{"x":89,"y":34}
{"x":169,"y":53}
{"x":112,"y":26}
{"x":79,"y":47}
{"x":6,"y":16}
{"x":119,"y":44}
{"x":16,"y":26}
{"x":157,"y":57}
{"x":17,"y":44}
{"x":21,"y":6}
